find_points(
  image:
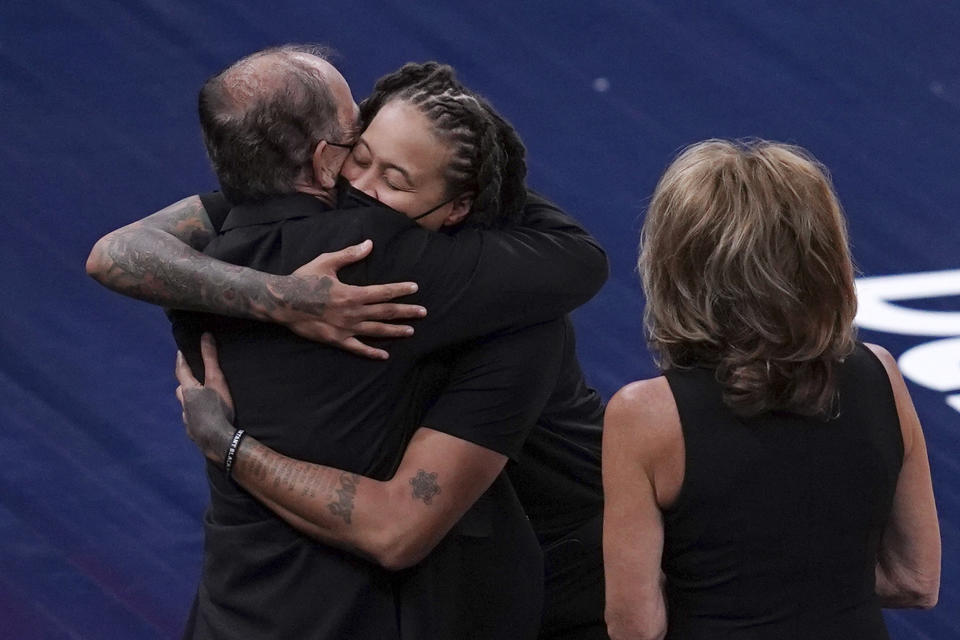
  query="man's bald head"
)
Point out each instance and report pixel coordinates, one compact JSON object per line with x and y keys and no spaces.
{"x":263,"y":116}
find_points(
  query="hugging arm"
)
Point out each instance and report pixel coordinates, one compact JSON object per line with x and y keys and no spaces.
{"x":908,"y":566}
{"x":547,"y":266}
{"x":579,"y":264}
{"x":158,"y":259}
{"x":396,"y":522}
{"x":494,"y":395}
{"x":544,"y":268}
{"x":477,"y":282}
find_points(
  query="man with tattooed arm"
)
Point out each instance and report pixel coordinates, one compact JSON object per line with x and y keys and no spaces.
{"x":354,"y":414}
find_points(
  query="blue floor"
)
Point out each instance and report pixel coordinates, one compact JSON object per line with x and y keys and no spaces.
{"x":100,"y":492}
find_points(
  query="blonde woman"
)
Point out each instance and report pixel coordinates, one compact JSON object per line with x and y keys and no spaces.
{"x":773,"y":482}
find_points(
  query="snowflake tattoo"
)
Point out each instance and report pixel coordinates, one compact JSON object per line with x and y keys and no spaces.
{"x":424,"y":486}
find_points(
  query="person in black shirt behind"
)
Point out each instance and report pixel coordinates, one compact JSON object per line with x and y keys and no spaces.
{"x":568,"y":433}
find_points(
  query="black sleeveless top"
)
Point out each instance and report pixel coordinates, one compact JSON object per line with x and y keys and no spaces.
{"x":777,"y":526}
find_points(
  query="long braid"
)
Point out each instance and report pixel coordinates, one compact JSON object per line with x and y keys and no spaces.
{"x":513,"y":190}
{"x":490,"y":176}
{"x":488,"y":157}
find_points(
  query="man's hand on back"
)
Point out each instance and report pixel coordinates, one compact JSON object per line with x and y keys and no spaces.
{"x":314,"y":304}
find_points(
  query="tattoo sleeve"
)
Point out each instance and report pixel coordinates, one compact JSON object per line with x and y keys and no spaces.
{"x":157,"y":260}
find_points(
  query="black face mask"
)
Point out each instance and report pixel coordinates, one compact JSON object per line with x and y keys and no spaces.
{"x":349,"y":197}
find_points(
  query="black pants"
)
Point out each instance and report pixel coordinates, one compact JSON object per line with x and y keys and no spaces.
{"x":573,"y":598}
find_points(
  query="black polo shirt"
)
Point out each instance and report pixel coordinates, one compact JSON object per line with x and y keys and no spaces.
{"x":556,"y":470}
{"x":323,"y":405}
{"x":484,"y":579}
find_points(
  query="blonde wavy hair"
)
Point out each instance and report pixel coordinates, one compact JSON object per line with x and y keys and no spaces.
{"x":746,"y":269}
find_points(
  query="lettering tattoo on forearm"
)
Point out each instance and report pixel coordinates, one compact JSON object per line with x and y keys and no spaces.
{"x":425,"y":486}
{"x":257,"y":469}
{"x":343,"y":507}
{"x":264,"y":466}
{"x":282,"y":477}
{"x":306,"y":478}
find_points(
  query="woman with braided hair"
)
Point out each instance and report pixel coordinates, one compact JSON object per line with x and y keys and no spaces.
{"x":439,"y":154}
{"x":468,"y":161}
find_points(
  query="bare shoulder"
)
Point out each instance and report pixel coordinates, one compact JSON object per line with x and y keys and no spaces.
{"x":889,"y":362}
{"x":893,"y":370}
{"x":646,"y":411}
{"x":643,"y":398}
{"x":909,"y":421}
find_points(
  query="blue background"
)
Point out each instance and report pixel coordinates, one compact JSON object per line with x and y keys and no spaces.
{"x":101,"y":494}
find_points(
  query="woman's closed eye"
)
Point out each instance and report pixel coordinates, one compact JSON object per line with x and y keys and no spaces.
{"x":395,"y":183}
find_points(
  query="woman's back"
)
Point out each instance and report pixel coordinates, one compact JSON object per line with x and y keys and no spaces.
{"x":781,"y":525}
{"x":777,"y":525}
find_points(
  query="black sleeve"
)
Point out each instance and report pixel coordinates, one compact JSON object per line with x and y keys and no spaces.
{"x":217,"y":208}
{"x":498,"y":387}
{"x":577,"y":264}
{"x":549,"y":262}
{"x":474,"y":282}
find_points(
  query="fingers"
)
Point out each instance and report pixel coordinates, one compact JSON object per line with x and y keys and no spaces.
{"x":355,"y":346}
{"x":208,"y":350}
{"x":382,"y":330}
{"x":183,"y":405}
{"x":183,"y":373}
{"x":213,"y":374}
{"x":377,"y":293}
{"x":390,"y":311}
{"x":339,"y":259}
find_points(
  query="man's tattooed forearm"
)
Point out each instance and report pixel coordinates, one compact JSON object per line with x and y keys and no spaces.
{"x":163,"y":270}
{"x":158,"y":260}
{"x":158,"y":268}
{"x":310,"y":293}
{"x":425,"y":486}
{"x":343,"y":507}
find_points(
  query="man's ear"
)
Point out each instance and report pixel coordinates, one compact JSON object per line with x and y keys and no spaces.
{"x":324,"y":174}
{"x":459,"y":211}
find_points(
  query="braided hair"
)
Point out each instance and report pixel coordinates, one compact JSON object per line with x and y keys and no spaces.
{"x":488,"y":156}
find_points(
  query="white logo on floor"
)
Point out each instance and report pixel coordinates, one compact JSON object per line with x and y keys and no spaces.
{"x":935,"y":364}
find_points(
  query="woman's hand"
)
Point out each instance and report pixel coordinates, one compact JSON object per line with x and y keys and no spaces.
{"x":207,"y":408}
